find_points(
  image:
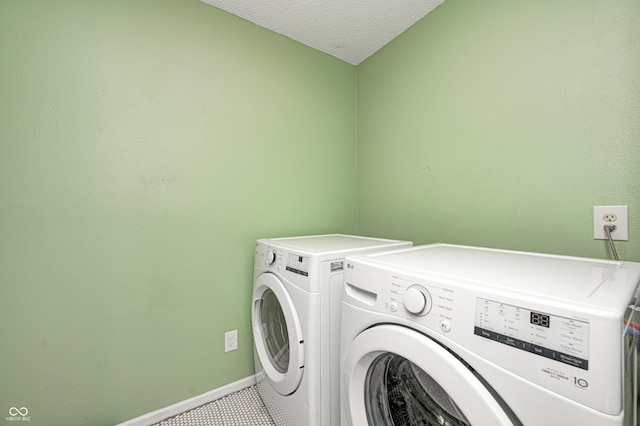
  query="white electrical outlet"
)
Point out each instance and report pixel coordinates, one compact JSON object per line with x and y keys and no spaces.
{"x":614,"y":215}
{"x":231,"y":340}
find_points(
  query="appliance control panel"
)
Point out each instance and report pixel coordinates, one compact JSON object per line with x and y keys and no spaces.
{"x":431,"y":303}
{"x":290,"y":266}
{"x":554,"y":337}
{"x":298,"y":264}
{"x":279,"y":259}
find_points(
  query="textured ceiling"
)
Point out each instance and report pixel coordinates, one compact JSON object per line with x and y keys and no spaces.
{"x":351,"y":30}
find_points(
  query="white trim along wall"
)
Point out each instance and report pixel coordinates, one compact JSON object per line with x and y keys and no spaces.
{"x":189,"y":404}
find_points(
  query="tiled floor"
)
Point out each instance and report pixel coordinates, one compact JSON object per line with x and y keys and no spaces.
{"x":242,"y":408}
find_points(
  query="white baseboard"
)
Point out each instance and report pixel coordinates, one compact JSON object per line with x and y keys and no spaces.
{"x":189,"y":404}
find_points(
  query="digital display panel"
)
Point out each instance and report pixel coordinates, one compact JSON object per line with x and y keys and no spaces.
{"x":555,"y":337}
{"x":537,"y":318}
{"x":298,"y":264}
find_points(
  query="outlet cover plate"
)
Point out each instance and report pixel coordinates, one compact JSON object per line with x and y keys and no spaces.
{"x":622,"y":222}
{"x":231,"y":341}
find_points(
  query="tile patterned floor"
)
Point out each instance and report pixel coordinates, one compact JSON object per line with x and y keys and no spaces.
{"x":242,"y":408}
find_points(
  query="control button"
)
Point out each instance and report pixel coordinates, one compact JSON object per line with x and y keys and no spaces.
{"x":417,"y":300}
{"x":414,"y":300}
{"x":271,"y":257}
{"x":445,"y":325}
{"x":393,"y":307}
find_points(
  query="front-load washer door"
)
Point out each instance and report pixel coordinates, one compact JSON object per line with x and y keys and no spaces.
{"x":277,"y":334}
{"x":397,"y":376}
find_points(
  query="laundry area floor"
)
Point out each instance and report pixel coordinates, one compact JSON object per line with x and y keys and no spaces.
{"x":242,"y":408}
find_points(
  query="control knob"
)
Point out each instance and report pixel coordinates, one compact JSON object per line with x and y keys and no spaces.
{"x":417,"y":300}
{"x":271,"y":257}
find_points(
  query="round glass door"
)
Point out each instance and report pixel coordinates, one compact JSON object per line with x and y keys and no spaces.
{"x":398,"y":392}
{"x":396,"y":376}
{"x":277,"y":334}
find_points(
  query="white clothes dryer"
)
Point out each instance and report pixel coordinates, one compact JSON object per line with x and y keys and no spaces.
{"x":297,"y":295}
{"x":454,"y":335}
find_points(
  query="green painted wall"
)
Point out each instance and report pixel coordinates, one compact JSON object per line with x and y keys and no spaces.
{"x":144,"y":147}
{"x":501,"y":123}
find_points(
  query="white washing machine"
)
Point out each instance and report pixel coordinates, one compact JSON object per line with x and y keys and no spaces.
{"x":297,"y":295}
{"x":454,"y":335}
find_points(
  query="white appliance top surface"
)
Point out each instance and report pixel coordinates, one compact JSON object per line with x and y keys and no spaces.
{"x":592,"y":281}
{"x":333,"y":243}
